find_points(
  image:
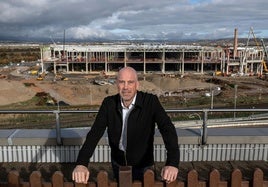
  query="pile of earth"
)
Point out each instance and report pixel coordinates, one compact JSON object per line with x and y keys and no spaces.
{"x":84,"y":92}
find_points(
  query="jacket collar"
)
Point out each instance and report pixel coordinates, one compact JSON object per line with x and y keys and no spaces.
{"x":138,"y":102}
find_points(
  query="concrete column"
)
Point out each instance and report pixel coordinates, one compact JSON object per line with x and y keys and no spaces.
{"x":198,"y":67}
{"x":125,"y":58}
{"x":182,"y":64}
{"x":89,"y":60}
{"x":144,"y":62}
{"x":222,"y":62}
{"x":67,"y":62}
{"x":163,"y":61}
{"x":42,"y":62}
{"x":202,"y":61}
{"x":86,"y":55}
{"x":106,"y":62}
{"x":55,"y":71}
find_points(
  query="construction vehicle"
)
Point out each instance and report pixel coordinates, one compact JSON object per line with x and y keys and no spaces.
{"x":41,"y":76}
{"x":33,"y":72}
{"x":218,"y":73}
{"x":59,"y":77}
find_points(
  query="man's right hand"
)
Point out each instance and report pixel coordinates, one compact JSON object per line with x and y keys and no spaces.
{"x":80,"y":174}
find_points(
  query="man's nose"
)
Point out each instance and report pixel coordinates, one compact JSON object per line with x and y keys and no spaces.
{"x":125,"y":85}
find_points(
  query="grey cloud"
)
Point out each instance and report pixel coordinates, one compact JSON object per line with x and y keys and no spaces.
{"x":140,"y":19}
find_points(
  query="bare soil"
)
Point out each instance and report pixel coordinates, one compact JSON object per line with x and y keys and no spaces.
{"x":81,"y":90}
{"x":17,"y":87}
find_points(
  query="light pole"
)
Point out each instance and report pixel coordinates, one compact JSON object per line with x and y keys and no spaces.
{"x":235,"y":98}
{"x":212,"y":97}
{"x":191,"y":116}
{"x":203,"y":129}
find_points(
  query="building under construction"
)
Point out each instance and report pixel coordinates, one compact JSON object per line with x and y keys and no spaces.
{"x":151,"y":57}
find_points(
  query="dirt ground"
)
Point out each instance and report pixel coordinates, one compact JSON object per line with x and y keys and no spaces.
{"x":81,"y":90}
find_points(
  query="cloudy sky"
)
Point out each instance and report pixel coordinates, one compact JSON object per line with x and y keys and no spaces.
{"x":132,"y":20}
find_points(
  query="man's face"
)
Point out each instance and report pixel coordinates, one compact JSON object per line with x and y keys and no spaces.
{"x":127,"y":85}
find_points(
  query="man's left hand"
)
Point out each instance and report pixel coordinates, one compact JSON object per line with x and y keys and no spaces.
{"x":169,"y":173}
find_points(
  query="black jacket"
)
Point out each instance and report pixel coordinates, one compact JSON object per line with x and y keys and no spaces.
{"x":140,"y":132}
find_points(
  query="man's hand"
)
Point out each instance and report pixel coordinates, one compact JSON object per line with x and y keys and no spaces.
{"x":169,"y":173}
{"x":80,"y":174}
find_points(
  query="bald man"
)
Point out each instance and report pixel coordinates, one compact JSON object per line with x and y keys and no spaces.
{"x":130,"y":118}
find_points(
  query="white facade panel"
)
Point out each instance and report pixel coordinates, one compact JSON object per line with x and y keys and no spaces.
{"x":211,"y":152}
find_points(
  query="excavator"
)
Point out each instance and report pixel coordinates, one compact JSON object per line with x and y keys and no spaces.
{"x":59,"y":76}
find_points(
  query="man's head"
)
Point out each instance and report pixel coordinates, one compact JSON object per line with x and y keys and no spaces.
{"x":127,"y":84}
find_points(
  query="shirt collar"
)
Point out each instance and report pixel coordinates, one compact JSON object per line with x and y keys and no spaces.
{"x":132,"y":103}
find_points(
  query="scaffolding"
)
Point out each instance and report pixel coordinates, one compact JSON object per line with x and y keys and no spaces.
{"x":144,"y":58}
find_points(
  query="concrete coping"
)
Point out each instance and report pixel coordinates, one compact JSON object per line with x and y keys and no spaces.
{"x":76,"y":136}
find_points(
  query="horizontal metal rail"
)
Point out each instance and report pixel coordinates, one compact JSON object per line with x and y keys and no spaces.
{"x":196,"y":112}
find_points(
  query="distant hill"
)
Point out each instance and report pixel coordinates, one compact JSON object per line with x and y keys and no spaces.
{"x":208,"y":42}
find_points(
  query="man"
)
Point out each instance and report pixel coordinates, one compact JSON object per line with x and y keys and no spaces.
{"x":130,"y":118}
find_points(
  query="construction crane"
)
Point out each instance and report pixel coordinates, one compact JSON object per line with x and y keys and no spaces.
{"x":263,"y":63}
{"x":264,"y":49}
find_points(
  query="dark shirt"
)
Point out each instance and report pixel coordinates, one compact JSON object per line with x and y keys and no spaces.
{"x":146,"y":113}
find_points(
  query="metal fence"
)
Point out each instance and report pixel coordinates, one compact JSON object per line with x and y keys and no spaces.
{"x":201,"y":114}
{"x":197,"y":137}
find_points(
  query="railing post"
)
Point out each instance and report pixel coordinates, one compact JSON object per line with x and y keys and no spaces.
{"x":102,"y":179}
{"x":14,"y":178}
{"x":236,"y":179}
{"x":192,"y":178}
{"x":58,"y":179}
{"x":214,"y":178}
{"x":125,"y":176}
{"x":149,"y":178}
{"x":204,"y":126}
{"x":36,"y":179}
{"x":258,"y":178}
{"x":58,"y":130}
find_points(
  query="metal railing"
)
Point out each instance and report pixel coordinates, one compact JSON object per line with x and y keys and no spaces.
{"x":196,"y":112}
